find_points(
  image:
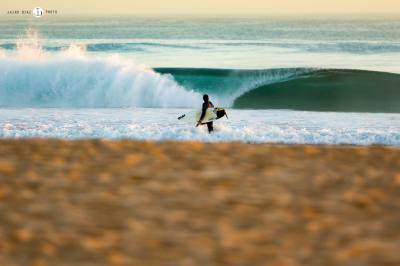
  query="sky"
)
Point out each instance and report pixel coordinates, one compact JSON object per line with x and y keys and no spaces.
{"x":225,"y":7}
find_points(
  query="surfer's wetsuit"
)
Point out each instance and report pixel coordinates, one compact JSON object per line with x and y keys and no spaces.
{"x":207,"y":104}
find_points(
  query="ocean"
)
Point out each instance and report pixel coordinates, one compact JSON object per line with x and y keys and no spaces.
{"x":331,"y":80}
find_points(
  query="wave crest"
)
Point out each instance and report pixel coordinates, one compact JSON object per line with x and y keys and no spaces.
{"x":31,"y":77}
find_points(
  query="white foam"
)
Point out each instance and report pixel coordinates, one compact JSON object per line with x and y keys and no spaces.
{"x":32,"y":77}
{"x":252,"y":126}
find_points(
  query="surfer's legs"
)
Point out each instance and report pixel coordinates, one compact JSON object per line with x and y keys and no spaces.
{"x":210,"y":127}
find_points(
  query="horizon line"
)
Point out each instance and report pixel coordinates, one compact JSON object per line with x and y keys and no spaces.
{"x":291,"y":14}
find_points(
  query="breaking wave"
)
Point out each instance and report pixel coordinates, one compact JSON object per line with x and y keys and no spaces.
{"x":31,"y":76}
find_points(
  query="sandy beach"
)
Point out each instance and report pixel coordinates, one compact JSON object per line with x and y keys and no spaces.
{"x":96,"y":202}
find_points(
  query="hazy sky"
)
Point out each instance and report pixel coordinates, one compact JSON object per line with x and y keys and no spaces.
{"x":227,"y":7}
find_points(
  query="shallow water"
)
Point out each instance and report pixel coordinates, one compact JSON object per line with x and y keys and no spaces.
{"x":253,"y":126}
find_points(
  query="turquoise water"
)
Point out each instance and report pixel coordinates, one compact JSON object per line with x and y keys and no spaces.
{"x":309,"y":89}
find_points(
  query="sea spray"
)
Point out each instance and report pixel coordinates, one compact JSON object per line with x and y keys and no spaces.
{"x":32,"y":77}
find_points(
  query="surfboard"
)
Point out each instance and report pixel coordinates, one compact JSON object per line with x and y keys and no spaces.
{"x":210,"y":116}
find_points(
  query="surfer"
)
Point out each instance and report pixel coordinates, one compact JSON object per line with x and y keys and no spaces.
{"x":206,"y":104}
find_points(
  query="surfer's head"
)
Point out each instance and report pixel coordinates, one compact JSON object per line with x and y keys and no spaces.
{"x":205,"y":98}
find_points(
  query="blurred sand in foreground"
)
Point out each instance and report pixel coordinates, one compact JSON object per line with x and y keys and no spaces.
{"x":98,"y":202}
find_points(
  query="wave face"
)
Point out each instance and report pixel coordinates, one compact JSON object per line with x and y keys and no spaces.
{"x":227,"y":85}
{"x":329,"y":90}
{"x":297,"y":89}
{"x":31,"y":77}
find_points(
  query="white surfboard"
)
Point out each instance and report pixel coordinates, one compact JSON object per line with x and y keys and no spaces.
{"x":208,"y":117}
{"x":194,"y":116}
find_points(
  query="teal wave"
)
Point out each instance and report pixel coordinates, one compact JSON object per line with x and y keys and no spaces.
{"x":338,"y":90}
